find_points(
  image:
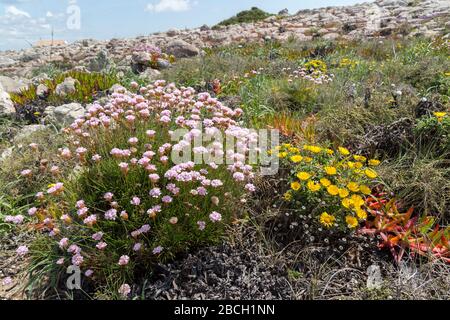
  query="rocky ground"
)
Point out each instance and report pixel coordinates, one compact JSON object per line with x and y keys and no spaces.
{"x":370,"y":19}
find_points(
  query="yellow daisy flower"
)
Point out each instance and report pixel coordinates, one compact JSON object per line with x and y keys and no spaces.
{"x":295,"y":185}
{"x":343,"y":151}
{"x":327,"y":219}
{"x":365,"y":189}
{"x":297,"y":158}
{"x":440,"y":115}
{"x":303,"y":176}
{"x":333,"y":190}
{"x":282,"y":154}
{"x":315,"y":149}
{"x":330,"y":170}
{"x":351,"y":221}
{"x":359,"y":158}
{"x":346,"y":203}
{"x":288,"y":196}
{"x":370,"y":173}
{"x":343,"y":193}
{"x":353,"y":186}
{"x":361,"y":214}
{"x":357,"y":201}
{"x":374,"y":162}
{"x":312,"y":186}
{"x":325,"y":182}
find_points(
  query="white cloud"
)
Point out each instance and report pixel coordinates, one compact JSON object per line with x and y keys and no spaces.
{"x":12,"y":10}
{"x":49,"y":14}
{"x":18,"y":27}
{"x":169,"y":5}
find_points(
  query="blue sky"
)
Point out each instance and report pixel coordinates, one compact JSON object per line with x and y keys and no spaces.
{"x":25,"y":21}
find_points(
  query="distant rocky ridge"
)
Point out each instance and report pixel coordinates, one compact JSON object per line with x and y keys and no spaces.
{"x":374,"y":19}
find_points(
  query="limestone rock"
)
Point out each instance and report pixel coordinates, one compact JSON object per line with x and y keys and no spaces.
{"x":182,"y":49}
{"x":68,"y":86}
{"x":64,"y":115}
{"x":28,"y":131}
{"x":6,"y":105}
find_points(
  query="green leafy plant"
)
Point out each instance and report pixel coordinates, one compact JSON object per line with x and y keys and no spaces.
{"x":402,"y":232}
{"x":253,"y":15}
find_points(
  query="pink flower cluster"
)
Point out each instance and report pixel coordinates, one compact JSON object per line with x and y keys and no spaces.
{"x":317,"y":77}
{"x":131,"y":132}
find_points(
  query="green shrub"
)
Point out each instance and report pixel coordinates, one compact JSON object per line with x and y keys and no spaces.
{"x":329,"y":185}
{"x":433,"y":134}
{"x":253,"y":15}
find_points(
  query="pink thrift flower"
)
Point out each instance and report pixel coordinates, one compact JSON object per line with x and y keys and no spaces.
{"x":124,"y":215}
{"x":82,"y":211}
{"x":173,"y":220}
{"x":133,"y":141}
{"x":167,"y":199}
{"x":108,"y":196}
{"x":33,"y":146}
{"x":145,"y":228}
{"x":77,"y":259}
{"x":22,"y":251}
{"x":137,"y":246}
{"x":80,"y":204}
{"x":155,"y":193}
{"x":150,"y":133}
{"x":215,"y":216}
{"x":135,"y":201}
{"x":238,"y":176}
{"x":26,"y":173}
{"x":250,"y":187}
{"x":124,"y":167}
{"x":125,"y":290}
{"x":201,"y":225}
{"x":7,"y":281}
{"x":153,"y":177}
{"x":74,"y":249}
{"x":64,"y":242}
{"x":89,"y":273}
{"x":40,"y":195}
{"x":54,"y":170}
{"x":66,"y":154}
{"x":14,"y":219}
{"x":56,"y":189}
{"x":32,"y":211}
{"x":157,"y":250}
{"x":97,"y":236}
{"x":202,"y":191}
{"x":60,"y":261}
{"x":101,"y":245}
{"x":96,"y":158}
{"x":216,"y":183}
{"x":123,"y":261}
{"x":111,"y":214}
{"x":90,"y":220}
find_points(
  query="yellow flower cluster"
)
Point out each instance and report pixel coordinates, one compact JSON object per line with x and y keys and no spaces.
{"x":440,"y":116}
{"x":316,"y":65}
{"x":336,"y":180}
{"x":346,"y":62}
